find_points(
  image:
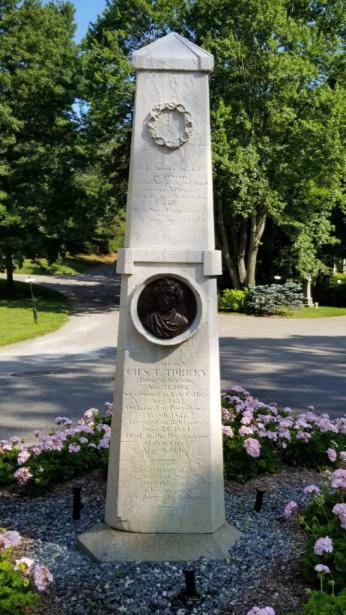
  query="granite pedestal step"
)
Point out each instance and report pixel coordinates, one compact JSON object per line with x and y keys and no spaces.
{"x":105,"y":544}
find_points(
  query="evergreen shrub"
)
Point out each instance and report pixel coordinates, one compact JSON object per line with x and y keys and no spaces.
{"x":274,"y":298}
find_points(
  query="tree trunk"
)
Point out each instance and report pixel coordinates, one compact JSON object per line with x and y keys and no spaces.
{"x":258,"y":222}
{"x":232,"y":271}
{"x":9,"y":271}
{"x":239,"y":240}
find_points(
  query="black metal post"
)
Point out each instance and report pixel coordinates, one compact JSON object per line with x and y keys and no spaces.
{"x":77,"y":505}
{"x":259,"y":499}
{"x":190,"y":582}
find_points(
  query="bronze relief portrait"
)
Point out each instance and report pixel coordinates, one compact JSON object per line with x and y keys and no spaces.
{"x":166,"y":307}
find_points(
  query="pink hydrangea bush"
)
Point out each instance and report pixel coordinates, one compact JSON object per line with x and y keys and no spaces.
{"x":20,"y":579}
{"x":66,"y":452}
{"x":324,"y":520}
{"x":258,"y":437}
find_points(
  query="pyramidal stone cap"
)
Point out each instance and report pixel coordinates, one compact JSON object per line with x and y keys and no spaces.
{"x":173,"y":52}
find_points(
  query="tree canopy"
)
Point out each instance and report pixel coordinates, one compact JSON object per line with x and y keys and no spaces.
{"x":277,"y":109}
{"x":40,"y":200}
{"x":277,"y":101}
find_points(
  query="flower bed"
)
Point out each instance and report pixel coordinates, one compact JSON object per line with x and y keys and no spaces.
{"x":20,"y":579}
{"x":67,"y":452}
{"x":258,"y":438}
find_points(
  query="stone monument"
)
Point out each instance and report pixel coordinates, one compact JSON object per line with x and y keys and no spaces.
{"x":165,"y":493}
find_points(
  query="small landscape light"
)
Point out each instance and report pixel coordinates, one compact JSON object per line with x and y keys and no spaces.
{"x":190,"y":582}
{"x":259,"y":499}
{"x":77,"y":502}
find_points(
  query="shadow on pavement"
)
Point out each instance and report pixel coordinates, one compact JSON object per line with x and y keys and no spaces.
{"x":88,"y":293}
{"x":36,"y":390}
{"x":294,"y":371}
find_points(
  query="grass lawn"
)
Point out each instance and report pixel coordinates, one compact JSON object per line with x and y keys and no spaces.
{"x":320,"y":312}
{"x":65,"y":266}
{"x":339,"y":276}
{"x":16,"y":316}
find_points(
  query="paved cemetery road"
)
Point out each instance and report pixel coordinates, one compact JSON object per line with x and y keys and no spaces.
{"x":293,"y":362}
{"x":69,"y":370}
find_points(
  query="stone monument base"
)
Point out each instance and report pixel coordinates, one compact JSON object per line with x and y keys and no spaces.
{"x":105,"y":544}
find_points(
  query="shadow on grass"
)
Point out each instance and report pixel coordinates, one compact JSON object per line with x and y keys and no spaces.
{"x":19,"y":297}
{"x":67,"y":266}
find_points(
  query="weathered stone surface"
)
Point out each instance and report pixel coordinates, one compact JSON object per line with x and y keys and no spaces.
{"x":107,"y":545}
{"x":165,"y":472}
{"x":173,"y":52}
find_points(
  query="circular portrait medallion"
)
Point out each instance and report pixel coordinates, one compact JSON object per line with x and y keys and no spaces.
{"x":167,"y":309}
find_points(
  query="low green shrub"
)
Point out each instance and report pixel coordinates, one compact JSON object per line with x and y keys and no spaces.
{"x":325,"y":518}
{"x":15,"y":590}
{"x":19,"y":578}
{"x":273,"y":299}
{"x":232,"y":300}
{"x":322,"y":603}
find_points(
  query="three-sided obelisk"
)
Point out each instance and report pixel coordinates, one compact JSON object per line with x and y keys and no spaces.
{"x":165,"y":494}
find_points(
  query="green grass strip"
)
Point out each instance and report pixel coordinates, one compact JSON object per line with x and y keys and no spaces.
{"x":16,"y":314}
{"x":319,"y":312}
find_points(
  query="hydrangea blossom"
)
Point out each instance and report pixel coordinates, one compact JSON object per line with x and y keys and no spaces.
{"x":63,"y":420}
{"x":90,"y":414}
{"x":227,"y":431}
{"x":10,"y":539}
{"x":22,"y":475}
{"x":42,"y":577}
{"x":73,"y":448}
{"x":340,"y":511}
{"x":256,"y":610}
{"x":290,"y":509}
{"x":339,"y":479}
{"x":322,"y":569}
{"x":24,"y":564}
{"x":252,"y":447}
{"x":109,"y":407}
{"x":304,"y":436}
{"x":312,"y":489}
{"x":245,"y":430}
{"x":104,"y":443}
{"x":332,"y":455}
{"x":323,"y":545}
{"x":23,"y":456}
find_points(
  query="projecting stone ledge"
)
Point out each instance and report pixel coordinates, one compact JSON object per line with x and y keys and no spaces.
{"x":105,"y":544}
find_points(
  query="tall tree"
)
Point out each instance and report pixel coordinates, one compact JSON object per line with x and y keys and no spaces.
{"x":38,"y":85}
{"x":277,"y":100}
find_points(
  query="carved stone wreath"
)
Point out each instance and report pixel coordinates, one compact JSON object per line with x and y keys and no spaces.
{"x":179,"y":139}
